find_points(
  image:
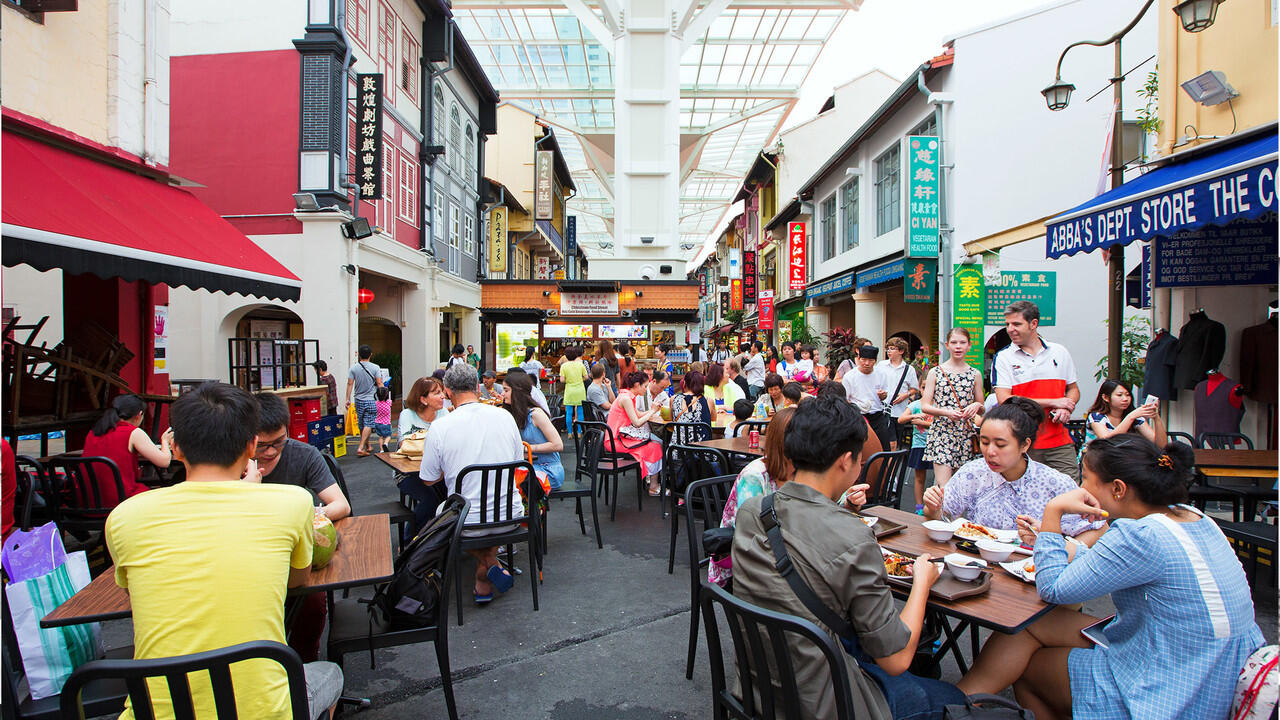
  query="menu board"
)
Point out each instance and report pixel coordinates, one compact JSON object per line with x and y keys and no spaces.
{"x":624,"y":332}
{"x":564,"y":332}
{"x":513,"y":338}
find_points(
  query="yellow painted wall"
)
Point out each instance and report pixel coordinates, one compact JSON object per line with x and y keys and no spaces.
{"x":508,"y":156}
{"x":1242,"y":44}
{"x":57,"y":71}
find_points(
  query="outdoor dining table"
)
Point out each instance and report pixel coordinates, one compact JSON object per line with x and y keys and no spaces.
{"x":363,"y":557}
{"x":1249,"y":473}
{"x":399,"y":463}
{"x":718,"y":427}
{"x":740,"y":445}
{"x":1009,"y":606}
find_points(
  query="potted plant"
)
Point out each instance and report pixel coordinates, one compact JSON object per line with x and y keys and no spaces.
{"x":839,"y":345}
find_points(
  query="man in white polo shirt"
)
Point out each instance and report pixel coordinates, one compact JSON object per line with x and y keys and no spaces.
{"x":1042,"y":371}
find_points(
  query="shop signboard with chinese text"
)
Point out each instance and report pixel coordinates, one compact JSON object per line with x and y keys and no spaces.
{"x":702,"y":283}
{"x":584,"y":303}
{"x":922,"y":196}
{"x":724,"y":303}
{"x":749,"y":277}
{"x":920,"y":278}
{"x":369,"y":136}
{"x":735,"y":294}
{"x":543,"y":190}
{"x":498,"y":239}
{"x":795,"y":243}
{"x":766,"y":309}
{"x":970,"y":302}
{"x":542,"y":267}
{"x":1239,"y":253}
{"x":571,"y":247}
{"x":1038,"y":287}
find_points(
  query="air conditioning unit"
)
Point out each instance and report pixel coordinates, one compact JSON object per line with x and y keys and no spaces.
{"x":664,"y":269}
{"x":553,"y":313}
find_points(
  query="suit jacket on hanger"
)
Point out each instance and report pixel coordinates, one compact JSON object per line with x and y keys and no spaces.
{"x":1202,"y":343}
{"x":1258,"y":368}
{"x":1158,"y":368}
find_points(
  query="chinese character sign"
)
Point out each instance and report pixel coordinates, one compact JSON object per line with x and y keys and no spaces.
{"x":970,"y":308}
{"x":795,"y":241}
{"x":919,"y":278}
{"x":498,"y":239}
{"x":584,"y":303}
{"x":735,"y":294}
{"x":542,"y":268}
{"x":543,"y":192}
{"x":1035,"y":286}
{"x":724,"y":303}
{"x":368,"y":139}
{"x":766,"y":309}
{"x":922,"y":195}
{"x":749,"y":277}
{"x":571,"y":235}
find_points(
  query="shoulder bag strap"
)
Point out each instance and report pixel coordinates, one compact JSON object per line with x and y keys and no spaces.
{"x":376,"y":382}
{"x":901,"y":379}
{"x":782,"y":562}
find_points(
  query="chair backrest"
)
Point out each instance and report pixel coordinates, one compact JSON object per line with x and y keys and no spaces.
{"x":610,"y":453}
{"x":175,"y":669}
{"x":885,"y":472}
{"x":689,"y":463}
{"x":745,"y":427}
{"x":685,"y":433}
{"x":77,"y":483}
{"x":591,"y":411}
{"x":1224,"y":441}
{"x":498,"y":498}
{"x":1076,"y":429}
{"x":590,"y":450}
{"x":1187,"y":438}
{"x":762,"y":649}
{"x":336,"y":471}
{"x":704,"y":499}
{"x":31,"y":479}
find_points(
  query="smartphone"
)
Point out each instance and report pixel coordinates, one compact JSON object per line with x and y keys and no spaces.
{"x":1095,"y":632}
{"x":1151,"y":400}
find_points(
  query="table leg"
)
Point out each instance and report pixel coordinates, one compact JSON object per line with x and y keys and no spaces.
{"x":952,"y":643}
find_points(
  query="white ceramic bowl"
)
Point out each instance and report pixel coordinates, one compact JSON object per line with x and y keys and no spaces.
{"x":995,"y":551}
{"x":938,"y":530}
{"x":965,"y":567}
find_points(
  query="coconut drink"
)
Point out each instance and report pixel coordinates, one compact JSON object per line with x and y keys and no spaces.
{"x":326,"y":540}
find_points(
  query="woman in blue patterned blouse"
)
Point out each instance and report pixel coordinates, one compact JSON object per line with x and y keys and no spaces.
{"x":1184,"y":622}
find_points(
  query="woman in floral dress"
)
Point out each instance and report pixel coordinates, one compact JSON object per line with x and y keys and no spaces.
{"x":953,"y":395}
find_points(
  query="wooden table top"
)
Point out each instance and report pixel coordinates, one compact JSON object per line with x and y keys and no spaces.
{"x":737,"y":445}
{"x":402,"y":465}
{"x":1009,"y":606}
{"x":363,"y":557}
{"x":717,"y":428}
{"x":1265,"y":460}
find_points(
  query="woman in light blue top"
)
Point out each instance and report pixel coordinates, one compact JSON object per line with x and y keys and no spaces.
{"x":535,"y":429}
{"x":422,"y":406}
{"x":1184,"y":622}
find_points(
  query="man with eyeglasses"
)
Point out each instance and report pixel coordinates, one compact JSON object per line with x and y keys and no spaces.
{"x":286,"y":461}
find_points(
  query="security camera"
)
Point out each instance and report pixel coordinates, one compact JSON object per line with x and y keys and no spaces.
{"x":647,"y":272}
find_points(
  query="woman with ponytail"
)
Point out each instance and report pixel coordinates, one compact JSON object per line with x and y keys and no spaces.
{"x":1184,"y":622}
{"x":1004,"y":488}
{"x":117,"y":436}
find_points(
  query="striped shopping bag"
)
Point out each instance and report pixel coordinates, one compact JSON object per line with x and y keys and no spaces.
{"x":49,"y":655}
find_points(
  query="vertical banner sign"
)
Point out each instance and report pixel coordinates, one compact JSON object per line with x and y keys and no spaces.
{"x":702,"y":283}
{"x":922,"y":196}
{"x":1145,"y":277}
{"x":766,"y":309}
{"x":970,"y":309}
{"x":795,"y":239}
{"x":498,"y":239}
{"x":724,"y":303}
{"x":571,"y":245}
{"x":369,"y":136}
{"x":735,"y":294}
{"x":919,"y":278}
{"x":749,"y":277}
{"x":160,"y":358}
{"x":543,"y":193}
{"x":735,"y":263}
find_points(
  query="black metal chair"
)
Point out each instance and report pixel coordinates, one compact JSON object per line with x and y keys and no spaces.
{"x":175,"y":670}
{"x":401,"y":516}
{"x":613,"y":464}
{"x":1187,"y":438}
{"x":885,"y":472}
{"x":1224,"y":441}
{"x":1250,"y":537}
{"x":76,"y":491}
{"x":588,"y":468}
{"x":1076,"y":429}
{"x":506,"y":515}
{"x":31,"y":482}
{"x":351,"y":627}
{"x":678,"y":433}
{"x":746,"y":426}
{"x":706,"y":498}
{"x":762,"y":647}
{"x":698,"y":463}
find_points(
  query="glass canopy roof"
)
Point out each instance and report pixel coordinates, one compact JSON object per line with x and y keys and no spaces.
{"x":737,"y":84}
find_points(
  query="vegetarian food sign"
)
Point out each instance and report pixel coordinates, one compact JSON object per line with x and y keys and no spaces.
{"x":1040,"y":288}
{"x":922,"y":196}
{"x":970,"y":309}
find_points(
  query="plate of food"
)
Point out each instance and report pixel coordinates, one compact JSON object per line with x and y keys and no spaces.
{"x":1022,"y":568}
{"x":869,"y":520}
{"x":974,"y":531}
{"x":897,"y":565}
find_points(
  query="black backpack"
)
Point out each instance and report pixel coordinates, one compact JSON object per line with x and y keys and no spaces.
{"x":411,"y":598}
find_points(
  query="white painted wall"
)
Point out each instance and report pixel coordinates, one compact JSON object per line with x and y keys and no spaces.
{"x":1015,"y":161}
{"x":138,"y":78}
{"x":200,"y":27}
{"x":33,"y":295}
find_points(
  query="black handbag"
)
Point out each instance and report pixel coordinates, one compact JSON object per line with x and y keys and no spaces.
{"x":982,"y":706}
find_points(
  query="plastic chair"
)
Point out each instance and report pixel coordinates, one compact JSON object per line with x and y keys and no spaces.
{"x":705,"y":498}
{"x":745,"y":427}
{"x":699,"y":462}
{"x":1253,"y":536}
{"x":509,"y":516}
{"x":351,"y":627}
{"x":762,"y":648}
{"x":1224,"y":441}
{"x":1187,"y":438}
{"x":79,"y":504}
{"x":588,"y":466}
{"x":31,"y":480}
{"x":175,"y":669}
{"x":678,"y":433}
{"x":613,"y":464}
{"x":885,"y":472}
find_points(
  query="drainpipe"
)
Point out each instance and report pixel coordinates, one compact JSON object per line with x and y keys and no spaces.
{"x":940,"y":101}
{"x":149,"y":82}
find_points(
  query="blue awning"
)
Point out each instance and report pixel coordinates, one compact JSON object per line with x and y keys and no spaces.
{"x":1214,"y":188}
{"x":878,"y":274}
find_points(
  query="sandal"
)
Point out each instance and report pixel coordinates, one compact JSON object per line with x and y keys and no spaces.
{"x":655,"y":492}
{"x":501,"y":579}
{"x":483,"y":599}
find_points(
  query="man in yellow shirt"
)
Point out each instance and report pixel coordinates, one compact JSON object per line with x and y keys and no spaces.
{"x":207,"y":562}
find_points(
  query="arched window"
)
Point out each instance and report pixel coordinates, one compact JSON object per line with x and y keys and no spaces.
{"x":437,"y":116}
{"x":455,"y":136}
{"x":471,"y":154}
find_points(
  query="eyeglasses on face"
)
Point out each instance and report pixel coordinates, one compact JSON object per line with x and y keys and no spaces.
{"x":275,"y":445}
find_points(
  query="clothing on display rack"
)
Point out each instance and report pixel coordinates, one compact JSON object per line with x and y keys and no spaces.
{"x":1202,"y":343}
{"x":1158,"y":368}
{"x":1258,"y":367}
{"x":1219,"y":405}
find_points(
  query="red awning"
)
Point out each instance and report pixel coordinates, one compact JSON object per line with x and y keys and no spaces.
{"x":68,"y":211}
